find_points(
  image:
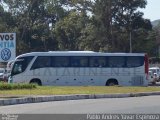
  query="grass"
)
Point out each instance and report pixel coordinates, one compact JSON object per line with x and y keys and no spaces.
{"x":57,"y":90}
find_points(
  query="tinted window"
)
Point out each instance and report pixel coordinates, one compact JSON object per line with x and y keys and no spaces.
{"x":135,"y":61}
{"x":42,"y":62}
{"x":26,"y":61}
{"x":97,"y":62}
{"x":60,"y":62}
{"x":116,"y":61}
{"x":79,"y":61}
{"x":153,"y":70}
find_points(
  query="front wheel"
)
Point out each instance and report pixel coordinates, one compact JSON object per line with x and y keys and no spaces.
{"x":36,"y":81}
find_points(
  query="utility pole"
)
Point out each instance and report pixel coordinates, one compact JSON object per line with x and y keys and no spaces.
{"x":43,"y":38}
{"x":130,"y":41}
{"x":109,"y":24}
{"x":130,"y":34}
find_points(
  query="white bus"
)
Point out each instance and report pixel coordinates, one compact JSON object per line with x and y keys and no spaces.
{"x":81,"y":68}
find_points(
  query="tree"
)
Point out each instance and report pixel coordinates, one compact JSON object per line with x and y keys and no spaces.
{"x":99,"y":25}
{"x":117,"y":19}
{"x":91,"y":38}
{"x":126,"y":17}
{"x":2,"y":22}
{"x":68,"y":31}
{"x":7,"y":21}
{"x":156,"y":38}
{"x":35,"y":21}
{"x":102,"y":19}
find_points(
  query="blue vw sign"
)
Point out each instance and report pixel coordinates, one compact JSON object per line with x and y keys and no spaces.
{"x":6,"y":54}
{"x":7,"y":46}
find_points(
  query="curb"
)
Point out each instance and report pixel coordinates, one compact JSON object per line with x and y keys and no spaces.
{"x":38,"y":99}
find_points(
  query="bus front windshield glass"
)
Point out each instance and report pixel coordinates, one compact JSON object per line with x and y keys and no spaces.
{"x":20,"y":65}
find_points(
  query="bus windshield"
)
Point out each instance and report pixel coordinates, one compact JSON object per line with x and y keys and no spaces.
{"x":20,"y":65}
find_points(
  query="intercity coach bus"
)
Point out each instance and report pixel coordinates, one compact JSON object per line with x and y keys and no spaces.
{"x":81,"y":68}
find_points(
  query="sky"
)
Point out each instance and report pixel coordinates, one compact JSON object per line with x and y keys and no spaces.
{"x":152,"y":10}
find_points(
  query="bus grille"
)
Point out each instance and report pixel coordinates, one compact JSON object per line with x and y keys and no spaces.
{"x":137,"y":81}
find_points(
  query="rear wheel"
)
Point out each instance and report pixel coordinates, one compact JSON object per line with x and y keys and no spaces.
{"x":112,"y":82}
{"x":153,"y":83}
{"x":36,"y":81}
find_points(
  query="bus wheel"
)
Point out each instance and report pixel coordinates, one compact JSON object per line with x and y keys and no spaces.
{"x":112,"y":82}
{"x":36,"y":81}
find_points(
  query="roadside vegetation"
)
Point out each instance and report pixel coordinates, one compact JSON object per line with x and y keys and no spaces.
{"x":5,"y":86}
{"x":63,"y":90}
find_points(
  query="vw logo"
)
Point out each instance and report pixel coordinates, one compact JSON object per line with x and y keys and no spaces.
{"x":6,"y":54}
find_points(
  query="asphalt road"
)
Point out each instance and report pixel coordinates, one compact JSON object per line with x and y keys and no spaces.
{"x":144,"y":105}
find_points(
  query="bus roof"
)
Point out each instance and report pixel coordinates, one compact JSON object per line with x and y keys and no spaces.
{"x":78,"y":53}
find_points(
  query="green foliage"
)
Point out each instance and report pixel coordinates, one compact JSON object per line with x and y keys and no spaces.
{"x":68,"y":31}
{"x":154,"y":60}
{"x":127,"y":19}
{"x":6,"y":86}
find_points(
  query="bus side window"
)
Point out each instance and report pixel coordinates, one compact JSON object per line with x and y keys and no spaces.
{"x":84,"y":62}
{"x":97,"y":62}
{"x":135,"y":61}
{"x":94,"y":62}
{"x":61,"y":61}
{"x":42,"y":62}
{"x":102,"y":63}
{"x":75,"y":63}
{"x":79,"y":61}
{"x":116,"y":61}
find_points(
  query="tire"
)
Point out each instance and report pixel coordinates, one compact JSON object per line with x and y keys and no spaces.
{"x":153,"y":83}
{"x":36,"y":81}
{"x":112,"y":82}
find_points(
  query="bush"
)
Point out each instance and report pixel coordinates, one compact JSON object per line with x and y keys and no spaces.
{"x":154,"y":60}
{"x":6,"y":86}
